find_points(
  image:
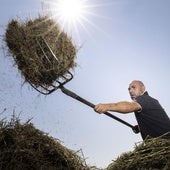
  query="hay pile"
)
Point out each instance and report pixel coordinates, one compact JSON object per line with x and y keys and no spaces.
{"x":152,"y":154}
{"x":23,"y":147}
{"x":25,"y":42}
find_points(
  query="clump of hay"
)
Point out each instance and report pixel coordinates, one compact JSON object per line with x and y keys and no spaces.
{"x":24,"y":147}
{"x":151,"y":154}
{"x":25,"y":41}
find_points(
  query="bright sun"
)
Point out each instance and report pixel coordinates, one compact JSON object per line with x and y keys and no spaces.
{"x":70,"y":10}
{"x":73,"y":14}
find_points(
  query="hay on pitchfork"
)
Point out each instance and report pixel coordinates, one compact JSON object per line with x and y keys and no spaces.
{"x":24,"y":147}
{"x":26,"y":43}
{"x":151,"y":154}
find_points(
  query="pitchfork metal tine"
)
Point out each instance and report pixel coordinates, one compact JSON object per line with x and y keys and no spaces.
{"x":66,"y":78}
{"x":49,"y":48}
{"x":60,"y":81}
{"x":43,"y":50}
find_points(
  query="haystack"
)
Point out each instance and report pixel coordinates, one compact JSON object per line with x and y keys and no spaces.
{"x":23,"y":147}
{"x":151,"y":154}
{"x":41,"y":49}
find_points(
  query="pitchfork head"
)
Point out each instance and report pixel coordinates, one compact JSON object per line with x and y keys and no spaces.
{"x":43,"y":89}
{"x":60,"y":81}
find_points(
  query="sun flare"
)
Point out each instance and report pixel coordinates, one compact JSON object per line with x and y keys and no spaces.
{"x":74,"y":15}
{"x":70,"y":10}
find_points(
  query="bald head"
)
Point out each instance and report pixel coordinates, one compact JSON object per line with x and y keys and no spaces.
{"x":140,"y":83}
{"x":136,"y":88}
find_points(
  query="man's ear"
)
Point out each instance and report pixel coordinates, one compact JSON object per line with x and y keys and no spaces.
{"x":143,"y":89}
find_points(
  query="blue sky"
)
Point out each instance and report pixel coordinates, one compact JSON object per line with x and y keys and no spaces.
{"x":130,"y":40}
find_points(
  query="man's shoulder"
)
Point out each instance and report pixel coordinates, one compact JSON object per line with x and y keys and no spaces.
{"x":145,"y":95}
{"x":145,"y":98}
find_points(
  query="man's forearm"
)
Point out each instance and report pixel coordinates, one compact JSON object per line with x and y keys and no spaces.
{"x":121,"y":107}
{"x":124,"y":107}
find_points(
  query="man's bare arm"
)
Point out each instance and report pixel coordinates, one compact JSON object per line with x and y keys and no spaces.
{"x":121,"y":107}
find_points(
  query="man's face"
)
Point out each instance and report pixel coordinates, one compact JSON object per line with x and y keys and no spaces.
{"x":135,"y":89}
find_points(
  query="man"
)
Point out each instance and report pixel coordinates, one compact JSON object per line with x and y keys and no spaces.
{"x":151,"y":117}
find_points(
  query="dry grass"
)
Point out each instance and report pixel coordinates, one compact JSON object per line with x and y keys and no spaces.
{"x":151,"y":154}
{"x":24,"y":147}
{"x":25,"y":42}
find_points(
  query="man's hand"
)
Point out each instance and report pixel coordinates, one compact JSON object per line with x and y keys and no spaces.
{"x":101,"y":108}
{"x":136,"y":129}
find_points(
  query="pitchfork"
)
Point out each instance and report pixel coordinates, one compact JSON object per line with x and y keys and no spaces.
{"x":62,"y":80}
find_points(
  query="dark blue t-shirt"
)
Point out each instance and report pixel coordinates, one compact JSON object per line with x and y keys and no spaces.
{"x":152,"y":119}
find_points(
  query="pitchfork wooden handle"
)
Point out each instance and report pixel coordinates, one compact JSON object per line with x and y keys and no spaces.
{"x":75,"y":96}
